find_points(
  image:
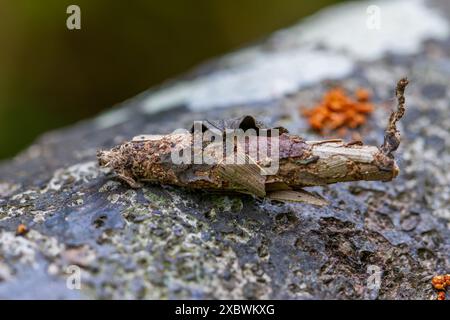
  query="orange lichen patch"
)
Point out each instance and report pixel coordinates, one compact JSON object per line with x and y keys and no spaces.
{"x":440,"y":283}
{"x":338,"y":111}
{"x":21,"y":230}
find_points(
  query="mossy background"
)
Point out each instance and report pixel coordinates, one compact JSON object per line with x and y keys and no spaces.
{"x":51,"y":76}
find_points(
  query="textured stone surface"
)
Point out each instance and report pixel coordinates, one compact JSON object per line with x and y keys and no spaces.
{"x":166,"y":242}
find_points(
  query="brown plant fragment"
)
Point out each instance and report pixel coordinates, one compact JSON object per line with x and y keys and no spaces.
{"x":392,"y":134}
{"x":147,"y":158}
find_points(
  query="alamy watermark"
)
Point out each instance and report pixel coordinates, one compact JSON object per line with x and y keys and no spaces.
{"x":73,"y":281}
{"x":73,"y":21}
{"x":373,"y":21}
{"x":374,"y":279}
{"x":231,"y":146}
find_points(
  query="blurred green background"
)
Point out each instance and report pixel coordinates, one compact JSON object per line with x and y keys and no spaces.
{"x":51,"y":76}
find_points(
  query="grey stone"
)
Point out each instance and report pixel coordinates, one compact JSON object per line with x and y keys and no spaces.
{"x":164,"y":242}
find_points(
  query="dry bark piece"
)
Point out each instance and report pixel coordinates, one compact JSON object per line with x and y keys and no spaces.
{"x":392,"y":135}
{"x":297,"y":196}
{"x":147,"y":158}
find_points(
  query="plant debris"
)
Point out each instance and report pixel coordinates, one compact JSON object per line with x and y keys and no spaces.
{"x":392,"y":134}
{"x":149,"y":158}
{"x":338,"y":112}
{"x":21,"y":230}
{"x":440,"y":283}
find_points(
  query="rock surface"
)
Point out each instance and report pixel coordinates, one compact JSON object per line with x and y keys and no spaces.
{"x":166,"y":242}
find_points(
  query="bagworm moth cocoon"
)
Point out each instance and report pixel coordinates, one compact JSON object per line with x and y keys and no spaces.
{"x":243,"y":155}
